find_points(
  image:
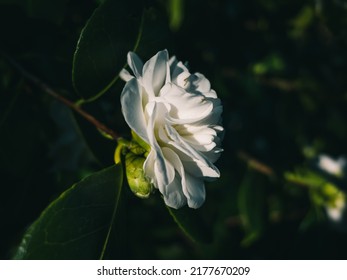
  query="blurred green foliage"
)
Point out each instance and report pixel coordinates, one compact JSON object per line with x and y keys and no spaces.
{"x":280,"y":69}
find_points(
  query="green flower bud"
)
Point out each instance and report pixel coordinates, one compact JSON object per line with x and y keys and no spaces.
{"x":137,"y":180}
{"x":135,"y":153}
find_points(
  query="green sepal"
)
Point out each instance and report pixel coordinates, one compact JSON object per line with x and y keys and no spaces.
{"x":141,"y":142}
{"x":135,"y":153}
{"x":136,"y":177}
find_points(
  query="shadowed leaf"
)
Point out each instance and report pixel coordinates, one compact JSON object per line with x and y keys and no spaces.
{"x":78,"y":223}
{"x":192,"y":224}
{"x":101,"y":52}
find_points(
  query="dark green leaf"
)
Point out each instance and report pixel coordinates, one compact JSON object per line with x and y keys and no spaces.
{"x":113,"y":30}
{"x":101,"y":52}
{"x":192,"y":224}
{"x":155,"y":35}
{"x":76,"y":225}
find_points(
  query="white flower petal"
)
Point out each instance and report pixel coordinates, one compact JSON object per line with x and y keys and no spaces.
{"x":195,"y":187}
{"x":202,"y":138}
{"x":176,"y":68}
{"x":202,"y":143}
{"x":135,"y":64}
{"x":188,"y":129}
{"x":200,"y":83}
{"x":148,"y":167}
{"x":168,"y":76}
{"x":211,"y":94}
{"x":164,"y":171}
{"x":215,"y":116}
{"x":154,"y":72}
{"x":213,"y":155}
{"x":182,"y":80}
{"x":186,"y":106}
{"x":197,"y":162}
{"x":175,"y":196}
{"x":131,"y":100}
{"x":125,"y":75}
{"x":160,"y":171}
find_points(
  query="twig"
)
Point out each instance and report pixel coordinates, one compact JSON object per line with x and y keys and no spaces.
{"x":256,"y":164}
{"x":44,"y":87}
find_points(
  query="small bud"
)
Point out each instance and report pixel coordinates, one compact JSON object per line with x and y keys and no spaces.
{"x":137,"y":180}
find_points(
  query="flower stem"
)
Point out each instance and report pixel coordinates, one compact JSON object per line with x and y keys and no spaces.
{"x":47,"y":89}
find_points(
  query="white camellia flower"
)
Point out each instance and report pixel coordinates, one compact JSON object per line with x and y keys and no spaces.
{"x":329,"y":165}
{"x":179,"y":116}
{"x":336,"y":210}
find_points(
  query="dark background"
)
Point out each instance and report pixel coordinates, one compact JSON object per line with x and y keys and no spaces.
{"x":279,"y":68}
